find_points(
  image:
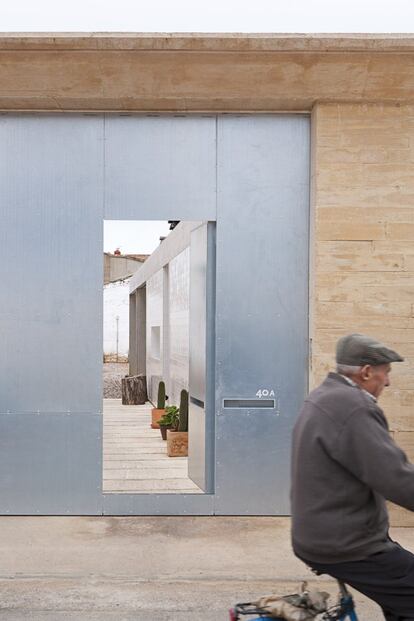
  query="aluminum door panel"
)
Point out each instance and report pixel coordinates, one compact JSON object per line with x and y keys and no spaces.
{"x":51,"y":269}
{"x":262,"y":305}
{"x":160,"y":168}
{"x":198,"y":312}
{"x":158,"y":504}
{"x":51,"y":189}
{"x":50,"y":463}
{"x":197,"y":444}
{"x":201,"y":376}
{"x":197,"y":375}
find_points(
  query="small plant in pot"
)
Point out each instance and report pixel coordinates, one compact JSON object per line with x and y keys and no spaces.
{"x":177,"y":437}
{"x":159,"y":411}
{"x":169,"y":420}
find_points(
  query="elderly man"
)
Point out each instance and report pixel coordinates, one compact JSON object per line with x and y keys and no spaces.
{"x":345,"y":465}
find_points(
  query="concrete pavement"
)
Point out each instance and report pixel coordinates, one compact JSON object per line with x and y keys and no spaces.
{"x":148,"y":568}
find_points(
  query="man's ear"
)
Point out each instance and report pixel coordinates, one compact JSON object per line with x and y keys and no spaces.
{"x":366,"y":372}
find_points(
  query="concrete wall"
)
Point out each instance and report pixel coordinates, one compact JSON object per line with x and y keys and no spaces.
{"x":166,"y":274}
{"x":167,"y":316}
{"x":179,"y":307}
{"x":155,"y":345}
{"x":363,"y":244}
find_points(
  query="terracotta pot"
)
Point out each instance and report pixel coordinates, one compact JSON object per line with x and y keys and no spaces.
{"x":164,"y":429}
{"x":177,"y":443}
{"x":156,"y":414}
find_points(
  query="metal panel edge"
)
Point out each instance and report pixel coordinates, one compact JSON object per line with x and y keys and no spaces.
{"x":158,"y":504}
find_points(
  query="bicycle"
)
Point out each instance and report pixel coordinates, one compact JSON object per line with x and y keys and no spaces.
{"x":342,"y":610}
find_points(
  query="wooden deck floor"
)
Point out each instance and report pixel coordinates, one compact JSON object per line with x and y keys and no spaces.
{"x":135,"y":456}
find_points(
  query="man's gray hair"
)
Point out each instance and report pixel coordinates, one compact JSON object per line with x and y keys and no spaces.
{"x":347,"y":369}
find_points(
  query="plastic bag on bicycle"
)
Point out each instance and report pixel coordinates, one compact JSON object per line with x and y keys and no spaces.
{"x":303,"y":606}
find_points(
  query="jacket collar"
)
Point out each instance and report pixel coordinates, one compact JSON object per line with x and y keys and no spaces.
{"x":347,"y":380}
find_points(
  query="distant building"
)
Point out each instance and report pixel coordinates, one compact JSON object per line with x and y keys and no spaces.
{"x":120,"y":266}
{"x":118,"y":270}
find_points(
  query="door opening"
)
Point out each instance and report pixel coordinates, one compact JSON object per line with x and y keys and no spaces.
{"x":155,"y":343}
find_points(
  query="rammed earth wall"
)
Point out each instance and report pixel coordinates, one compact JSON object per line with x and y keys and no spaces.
{"x":363,"y":244}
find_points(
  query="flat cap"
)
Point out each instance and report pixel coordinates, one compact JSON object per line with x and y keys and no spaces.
{"x":358,"y":350}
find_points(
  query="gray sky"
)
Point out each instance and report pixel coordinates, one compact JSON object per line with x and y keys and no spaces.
{"x":208,"y":15}
{"x":133,"y":237}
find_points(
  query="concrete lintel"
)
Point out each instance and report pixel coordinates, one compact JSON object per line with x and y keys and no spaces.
{"x":189,"y":73}
{"x":192,"y":41}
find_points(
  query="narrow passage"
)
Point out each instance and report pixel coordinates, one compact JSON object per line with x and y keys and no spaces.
{"x":135,"y":456}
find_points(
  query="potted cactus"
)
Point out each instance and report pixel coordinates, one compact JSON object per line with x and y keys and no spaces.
{"x":159,"y":411}
{"x":177,"y":437}
{"x":169,"y":420}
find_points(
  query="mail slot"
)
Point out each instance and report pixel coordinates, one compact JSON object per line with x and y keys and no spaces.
{"x":249,"y":403}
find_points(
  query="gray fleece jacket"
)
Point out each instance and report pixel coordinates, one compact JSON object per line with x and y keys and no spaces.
{"x":344,"y":465}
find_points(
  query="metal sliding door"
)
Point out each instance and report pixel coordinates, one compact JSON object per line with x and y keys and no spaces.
{"x":201,"y":377}
{"x":51,"y":211}
{"x":262,"y":307}
{"x":247,"y":179}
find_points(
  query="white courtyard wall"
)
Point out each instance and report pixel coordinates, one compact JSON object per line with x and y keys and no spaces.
{"x":179,"y":290}
{"x":154,"y":333}
{"x":116,"y":304}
